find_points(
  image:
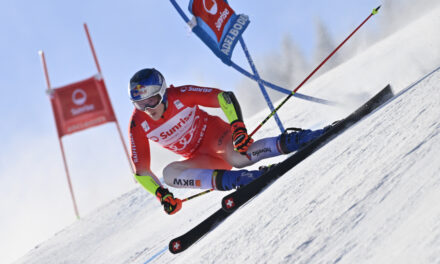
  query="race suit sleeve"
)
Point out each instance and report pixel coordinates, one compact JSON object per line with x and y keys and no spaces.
{"x":212,"y":97}
{"x":140,"y":158}
{"x":197,"y":95}
{"x":230,"y":106}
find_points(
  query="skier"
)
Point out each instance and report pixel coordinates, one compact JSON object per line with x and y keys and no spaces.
{"x":211,"y":147}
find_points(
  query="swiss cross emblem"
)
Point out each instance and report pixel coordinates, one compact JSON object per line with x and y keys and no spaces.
{"x":230,"y":203}
{"x":176,"y":246}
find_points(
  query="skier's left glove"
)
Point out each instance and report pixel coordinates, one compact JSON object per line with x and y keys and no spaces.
{"x":170,"y":204}
{"x":240,"y":138}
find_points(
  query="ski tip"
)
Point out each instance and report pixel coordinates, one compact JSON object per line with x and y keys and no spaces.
{"x":175,"y":246}
{"x":376,"y":10}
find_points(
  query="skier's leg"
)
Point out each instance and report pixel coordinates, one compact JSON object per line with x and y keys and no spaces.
{"x":218,"y":142}
{"x":206,"y":172}
{"x":261,"y":149}
{"x":210,"y":166}
{"x":196,"y":172}
{"x":272,"y":147}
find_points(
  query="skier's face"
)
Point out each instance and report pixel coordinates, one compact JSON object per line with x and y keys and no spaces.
{"x":156,"y":113}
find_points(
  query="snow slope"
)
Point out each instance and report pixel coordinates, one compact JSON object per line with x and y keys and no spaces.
{"x":369,"y":196}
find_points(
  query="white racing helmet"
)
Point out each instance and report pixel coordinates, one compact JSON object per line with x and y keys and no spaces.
{"x":147,"y":89}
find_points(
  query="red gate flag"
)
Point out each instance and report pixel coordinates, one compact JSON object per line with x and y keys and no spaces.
{"x":81,"y":105}
{"x":218,"y":26}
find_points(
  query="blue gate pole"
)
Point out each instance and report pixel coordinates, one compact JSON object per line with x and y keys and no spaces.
{"x":262,"y":88}
{"x":180,"y":11}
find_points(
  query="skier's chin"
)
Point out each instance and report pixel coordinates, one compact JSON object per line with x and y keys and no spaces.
{"x":154,"y":115}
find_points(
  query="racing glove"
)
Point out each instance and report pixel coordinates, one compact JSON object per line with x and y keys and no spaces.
{"x":240,"y":138}
{"x":170,"y":204}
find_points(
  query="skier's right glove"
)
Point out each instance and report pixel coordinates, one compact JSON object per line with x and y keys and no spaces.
{"x":170,"y":204}
{"x":240,"y":138}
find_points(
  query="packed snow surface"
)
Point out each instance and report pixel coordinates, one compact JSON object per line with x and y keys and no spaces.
{"x":370,"y":195}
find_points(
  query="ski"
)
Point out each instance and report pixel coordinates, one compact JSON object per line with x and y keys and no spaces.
{"x":234,"y":200}
{"x":183,"y":242}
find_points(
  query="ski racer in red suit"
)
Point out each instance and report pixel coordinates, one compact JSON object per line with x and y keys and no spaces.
{"x":171,"y":117}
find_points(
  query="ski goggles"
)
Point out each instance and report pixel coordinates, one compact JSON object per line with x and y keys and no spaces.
{"x":149,"y":103}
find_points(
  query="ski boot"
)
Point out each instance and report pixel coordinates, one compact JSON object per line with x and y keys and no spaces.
{"x":226,"y":180}
{"x":292,"y":141}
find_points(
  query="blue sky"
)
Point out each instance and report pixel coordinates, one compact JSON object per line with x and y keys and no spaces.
{"x":128,"y":36}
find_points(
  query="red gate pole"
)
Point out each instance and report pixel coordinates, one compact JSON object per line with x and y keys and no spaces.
{"x":46,"y":75}
{"x":117,"y":123}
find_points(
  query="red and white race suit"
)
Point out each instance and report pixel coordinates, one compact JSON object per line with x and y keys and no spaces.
{"x":182,"y":128}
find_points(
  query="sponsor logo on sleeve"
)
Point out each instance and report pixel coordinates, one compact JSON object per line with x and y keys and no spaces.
{"x":195,"y":89}
{"x":134,"y":155}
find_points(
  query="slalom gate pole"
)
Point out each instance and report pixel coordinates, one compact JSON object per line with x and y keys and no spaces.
{"x":197,"y":195}
{"x":66,"y":169}
{"x":374,"y":12}
{"x":260,"y":84}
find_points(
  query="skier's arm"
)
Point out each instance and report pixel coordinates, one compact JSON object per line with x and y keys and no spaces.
{"x":197,"y":95}
{"x":140,"y":157}
{"x":149,"y":181}
{"x":212,"y":97}
{"x":230,"y":106}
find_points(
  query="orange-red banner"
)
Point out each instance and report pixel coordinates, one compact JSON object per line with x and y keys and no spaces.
{"x":81,"y":105}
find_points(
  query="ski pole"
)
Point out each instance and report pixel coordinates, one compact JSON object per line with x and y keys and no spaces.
{"x":375,"y":11}
{"x":197,"y":195}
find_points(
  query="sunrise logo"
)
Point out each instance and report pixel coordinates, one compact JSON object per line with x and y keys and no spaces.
{"x":79,"y":97}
